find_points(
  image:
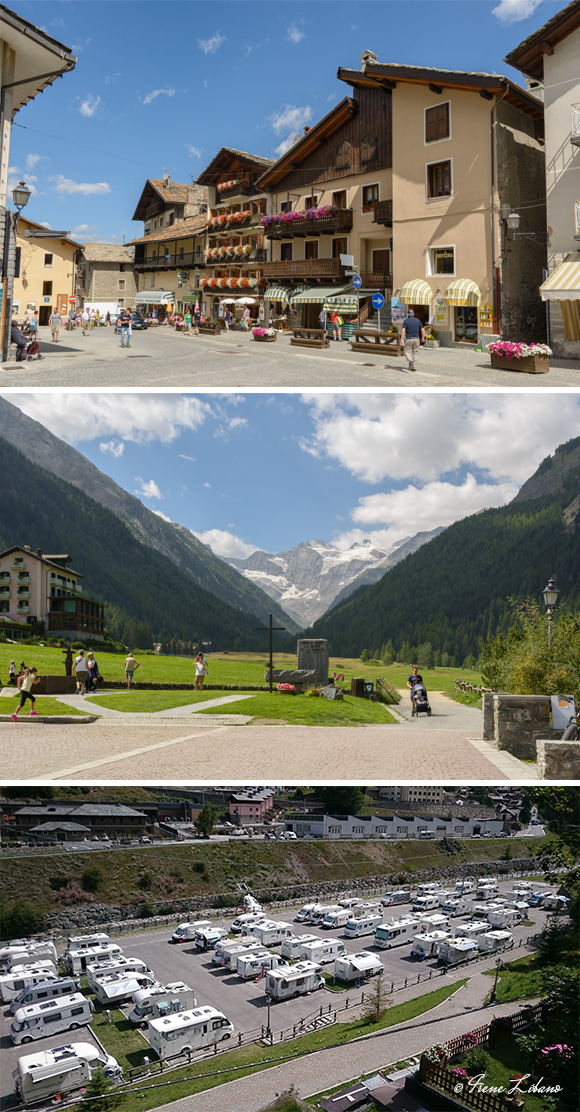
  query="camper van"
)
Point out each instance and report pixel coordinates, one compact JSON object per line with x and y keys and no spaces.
{"x":244,"y":923}
{"x":50,"y":1074}
{"x":206,"y":939}
{"x":291,"y":946}
{"x":426,"y":903}
{"x":323,"y":951}
{"x":78,"y":961}
{"x":149,"y":1003}
{"x":302,"y":915}
{"x":293,"y":980}
{"x":428,"y":888}
{"x":396,"y":932}
{"x":349,"y":901}
{"x":49,"y":989}
{"x":228,"y":954}
{"x":367,"y":924}
{"x":254,"y":964}
{"x":23,"y":953}
{"x":462,"y":887}
{"x":480,"y":912}
{"x":123,"y":965}
{"x":472,"y":930}
{"x":456,"y":950}
{"x":455,"y":906}
{"x":486,"y":891}
{"x":185,"y":932}
{"x":183,"y":1032}
{"x":117,"y":988}
{"x":504,"y":917}
{"x":86,"y":941}
{"x":36,"y":1021}
{"x":357,"y":967}
{"x":496,"y":941}
{"x":397,"y":896}
{"x":436,"y":921}
{"x":428,"y":945}
{"x":336,"y":919}
{"x":319,"y":913}
{"x":271,"y":933}
{"x":13,"y":983}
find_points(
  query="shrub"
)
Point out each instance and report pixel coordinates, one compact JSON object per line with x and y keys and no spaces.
{"x":22,"y":920}
{"x":92,"y":879}
{"x":145,"y":882}
{"x":199,"y":867}
{"x":57,"y":882}
{"x":477,"y":1061}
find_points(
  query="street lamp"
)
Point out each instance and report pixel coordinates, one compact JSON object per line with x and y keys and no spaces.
{"x":550,"y":595}
{"x":20,"y":195}
{"x":494,"y":989}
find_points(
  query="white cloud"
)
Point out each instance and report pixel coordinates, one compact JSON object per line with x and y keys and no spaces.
{"x":207,"y":485}
{"x":45,"y":224}
{"x":89,"y":105}
{"x":193,"y":152}
{"x":68,"y":186}
{"x":159,"y":513}
{"x":512,"y":11}
{"x":226,"y":544}
{"x":190,"y":459}
{"x":78,"y":47}
{"x":289,"y":121}
{"x":150,"y":97}
{"x":139,"y":418}
{"x":32,"y":159}
{"x":210,"y":46}
{"x":415,"y":508}
{"x":294,"y":33}
{"x":149,"y":488}
{"x":114,"y":447}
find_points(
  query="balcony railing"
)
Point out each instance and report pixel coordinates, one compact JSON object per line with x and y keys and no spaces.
{"x":304,"y":268}
{"x":376,"y":279}
{"x":237,"y":191}
{"x":157,"y":206}
{"x":257,"y":255}
{"x":383,"y":213}
{"x":171,"y":262}
{"x":339,"y":221}
{"x":575,"y":133}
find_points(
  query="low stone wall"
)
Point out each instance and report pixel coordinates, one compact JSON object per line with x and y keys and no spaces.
{"x":558,"y":760}
{"x":511,"y":721}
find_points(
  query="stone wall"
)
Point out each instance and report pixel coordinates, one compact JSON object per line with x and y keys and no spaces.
{"x":511,"y":721}
{"x":558,"y":760}
{"x":102,"y":282}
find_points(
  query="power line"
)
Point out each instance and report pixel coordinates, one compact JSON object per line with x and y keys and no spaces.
{"x":71,"y":142}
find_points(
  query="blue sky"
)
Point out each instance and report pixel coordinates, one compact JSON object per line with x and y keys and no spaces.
{"x":163,"y":84}
{"x":271,"y":470}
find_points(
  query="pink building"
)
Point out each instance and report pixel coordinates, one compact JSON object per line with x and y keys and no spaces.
{"x":247,"y":807}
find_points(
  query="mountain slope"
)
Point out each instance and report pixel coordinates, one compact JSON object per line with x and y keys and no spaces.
{"x":313,"y":576}
{"x":173,"y":541}
{"x":456,"y":589}
{"x":43,"y":511}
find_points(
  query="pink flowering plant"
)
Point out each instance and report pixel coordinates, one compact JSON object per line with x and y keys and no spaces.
{"x":299,"y":214}
{"x":260,"y":333}
{"x":508,"y":350}
{"x":286,"y":688}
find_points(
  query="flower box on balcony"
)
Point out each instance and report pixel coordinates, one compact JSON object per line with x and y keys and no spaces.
{"x":529,"y":358}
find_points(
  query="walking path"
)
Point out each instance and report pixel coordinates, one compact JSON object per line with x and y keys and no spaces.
{"x":85,"y":703}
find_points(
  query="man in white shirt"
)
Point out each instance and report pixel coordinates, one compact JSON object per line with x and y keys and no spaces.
{"x":55,"y":323}
{"x":81,"y":668}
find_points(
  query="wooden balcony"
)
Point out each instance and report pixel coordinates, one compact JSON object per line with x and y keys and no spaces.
{"x":171,"y":262}
{"x":304,"y":268}
{"x":376,"y":280}
{"x":383,"y":213}
{"x":258,"y":255}
{"x":230,"y":195}
{"x":339,"y":221}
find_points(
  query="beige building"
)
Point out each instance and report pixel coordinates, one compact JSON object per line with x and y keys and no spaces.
{"x":46,"y":271}
{"x":37,"y":588}
{"x":170,"y":252}
{"x":415,"y":793}
{"x":106,"y":275}
{"x":550,"y":60}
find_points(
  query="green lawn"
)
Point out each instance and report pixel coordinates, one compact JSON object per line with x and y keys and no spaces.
{"x":253,"y":1057}
{"x":45,"y":704}
{"x":304,"y":710}
{"x":502,"y":1064}
{"x":147,"y":702}
{"x":518,"y":979}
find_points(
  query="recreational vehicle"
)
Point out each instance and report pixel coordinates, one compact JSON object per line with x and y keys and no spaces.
{"x":323,"y":951}
{"x":397,"y":896}
{"x":123,"y":965}
{"x":255,"y":964}
{"x":428,"y":888}
{"x":183,"y":1032}
{"x":148,"y":1003}
{"x":357,"y":967}
{"x":434,"y":922}
{"x":291,"y":946}
{"x":456,"y":950}
{"x":229,"y":952}
{"x":185,"y":932}
{"x":294,"y":980}
{"x":12,"y":984}
{"x":24,"y":954}
{"x":271,"y":933}
{"x":466,"y":885}
{"x":49,"y":989}
{"x":244,"y":923}
{"x":472,"y":930}
{"x":117,"y":988}
{"x":504,"y":917}
{"x":428,"y":945}
{"x":496,"y":941}
{"x":36,"y":1021}
{"x":367,"y":924}
{"x":426,"y":903}
{"x":349,"y":901}
{"x":206,"y":939}
{"x":78,"y":961}
{"x":336,"y":919}
{"x":302,"y":915}
{"x":86,"y":941}
{"x":319,"y":913}
{"x":455,"y":906}
{"x":486,"y":891}
{"x":396,"y":933}
{"x":48,"y":1075}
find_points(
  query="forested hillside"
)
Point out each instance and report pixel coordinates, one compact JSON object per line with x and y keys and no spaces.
{"x":455,"y":590}
{"x":138,"y":583}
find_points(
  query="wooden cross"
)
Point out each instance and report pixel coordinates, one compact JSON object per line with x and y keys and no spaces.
{"x":270,"y":629}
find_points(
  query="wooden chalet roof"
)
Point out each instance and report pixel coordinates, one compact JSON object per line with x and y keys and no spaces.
{"x":230,"y":161}
{"x":529,"y":55}
{"x":172,"y":192}
{"x":192,"y":225}
{"x":391,"y":74}
{"x":308,"y":143}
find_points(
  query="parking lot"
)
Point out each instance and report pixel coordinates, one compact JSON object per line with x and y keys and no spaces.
{"x":244,"y":1002}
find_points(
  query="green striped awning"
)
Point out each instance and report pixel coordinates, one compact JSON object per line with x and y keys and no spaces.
{"x":315,"y":293}
{"x":417,"y":292}
{"x":282,"y":293}
{"x":462,"y":292}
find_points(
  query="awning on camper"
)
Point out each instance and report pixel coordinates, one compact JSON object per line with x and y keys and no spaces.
{"x":416,"y":292}
{"x":563,"y":285}
{"x":462,"y":292}
{"x":315,"y":293}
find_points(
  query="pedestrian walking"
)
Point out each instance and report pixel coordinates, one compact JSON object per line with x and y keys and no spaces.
{"x":86,"y":319}
{"x":92,"y":318}
{"x":196,"y":319}
{"x":131,"y":666}
{"x":336,"y":325}
{"x":246,"y":319}
{"x":33,"y":326}
{"x":29,"y":681}
{"x":81,"y":672}
{"x":107,"y":319}
{"x":93,"y":673}
{"x":201,"y":670}
{"x":187,"y":321}
{"x":228,"y":319}
{"x":322,"y":320}
{"x":412,"y":336}
{"x":124,"y":323}
{"x":55,"y":322}
{"x":12,"y":674}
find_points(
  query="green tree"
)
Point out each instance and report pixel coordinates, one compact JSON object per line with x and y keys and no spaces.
{"x":376,"y":1001}
{"x":21,"y":920}
{"x":206,"y":820}
{"x":342,"y":800}
{"x":530,"y":661}
{"x":365,"y":655}
{"x":100,"y":1093}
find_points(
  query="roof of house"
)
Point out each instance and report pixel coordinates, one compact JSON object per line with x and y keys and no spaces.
{"x":170,"y":192}
{"x":226,"y":159}
{"x":35,"y":52}
{"x":182,"y":229}
{"x":108,"y":252}
{"x":47,"y":827}
{"x":52,"y":561}
{"x":47,"y":233}
{"x":308,"y":142}
{"x":90,"y":810}
{"x":529,"y":55}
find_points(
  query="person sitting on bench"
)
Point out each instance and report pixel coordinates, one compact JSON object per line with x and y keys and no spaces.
{"x":17,"y":337}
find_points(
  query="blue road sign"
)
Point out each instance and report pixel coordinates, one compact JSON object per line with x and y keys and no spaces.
{"x":378,"y":301}
{"x":357,"y":281}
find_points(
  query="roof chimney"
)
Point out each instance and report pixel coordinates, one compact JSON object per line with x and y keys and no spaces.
{"x":39,"y":552}
{"x":306,"y":130}
{"x":367,"y":57}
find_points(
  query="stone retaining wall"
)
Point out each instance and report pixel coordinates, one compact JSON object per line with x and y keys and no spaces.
{"x":512,"y":720}
{"x":558,"y":760}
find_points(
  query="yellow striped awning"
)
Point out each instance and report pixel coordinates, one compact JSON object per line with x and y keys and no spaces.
{"x":416,"y":292}
{"x":315,"y":293}
{"x":462,"y":292}
{"x":281,"y":293}
{"x":564,"y":282}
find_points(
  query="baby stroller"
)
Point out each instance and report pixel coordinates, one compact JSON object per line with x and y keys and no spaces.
{"x":419,"y":701}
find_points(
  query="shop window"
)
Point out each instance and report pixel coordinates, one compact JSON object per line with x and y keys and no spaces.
{"x":442,"y":260}
{"x":47,"y":289}
{"x":370,"y":196}
{"x":48,"y":259}
{"x":439,"y":179}
{"x":437,"y":122}
{"x":466,"y":331}
{"x":339,"y":199}
{"x":311,"y":249}
{"x":339,"y":247}
{"x":286,"y":252}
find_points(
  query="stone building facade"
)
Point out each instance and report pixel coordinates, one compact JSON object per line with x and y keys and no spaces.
{"x":106,"y":273}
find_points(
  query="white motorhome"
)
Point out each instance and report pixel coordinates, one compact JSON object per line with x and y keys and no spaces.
{"x":471,"y":930}
{"x":426,"y":903}
{"x":23,"y":954}
{"x":228,"y":953}
{"x":254,"y":964}
{"x":271,"y":933}
{"x":487,"y":880}
{"x":244,"y":923}
{"x":357,"y":967}
{"x":555,"y":903}
{"x":496,"y":941}
{"x":336,"y":919}
{"x":455,"y":906}
{"x":49,"y":989}
{"x":206,"y":939}
{"x":148,"y":1003}
{"x":50,"y":1074}
{"x":184,"y":1032}
{"x":117,"y":988}
{"x":396,"y":896}
{"x":302,"y":915}
{"x":480,"y":913}
{"x":504,"y":917}
{"x":319,"y":913}
{"x":77,"y":961}
{"x":349,"y":901}
{"x":185,"y":932}
{"x":455,"y":950}
{"x":428,"y":888}
{"x":293,"y":980}
{"x":428,"y":945}
{"x":124,"y":965}
{"x":36,"y":1021}
{"x":323,"y":951}
{"x":396,"y":933}
{"x":367,"y":924}
{"x":486,"y":891}
{"x":13,"y":983}
{"x":466,"y":885}
{"x":291,"y":946}
{"x":434,"y":922}
{"x":86,"y":941}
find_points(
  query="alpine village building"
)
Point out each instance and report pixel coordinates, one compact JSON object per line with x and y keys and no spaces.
{"x":42,"y":590}
{"x":169,"y":255}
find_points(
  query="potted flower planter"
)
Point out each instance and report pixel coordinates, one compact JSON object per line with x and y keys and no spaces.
{"x":528,"y":358}
{"x":267,"y":336}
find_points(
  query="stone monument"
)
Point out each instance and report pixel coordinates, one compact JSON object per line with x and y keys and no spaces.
{"x":313,"y":654}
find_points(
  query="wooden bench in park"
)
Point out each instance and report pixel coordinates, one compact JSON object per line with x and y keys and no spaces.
{"x":388,"y":343}
{"x":310,"y":337}
{"x":211,"y":327}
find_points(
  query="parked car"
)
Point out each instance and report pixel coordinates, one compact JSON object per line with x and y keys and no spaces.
{"x":138,"y":322}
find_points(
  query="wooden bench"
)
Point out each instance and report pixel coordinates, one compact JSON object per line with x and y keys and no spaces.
{"x":310,"y":337}
{"x":211,"y":327}
{"x":388,"y":343}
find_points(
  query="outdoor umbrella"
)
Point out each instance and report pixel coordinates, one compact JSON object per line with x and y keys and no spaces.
{"x":246,"y":300}
{"x":228,"y":301}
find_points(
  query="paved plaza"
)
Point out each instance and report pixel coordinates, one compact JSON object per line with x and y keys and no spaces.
{"x":161,"y":357}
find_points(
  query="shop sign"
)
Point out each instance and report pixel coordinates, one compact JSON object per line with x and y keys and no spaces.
{"x":441,"y":316}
